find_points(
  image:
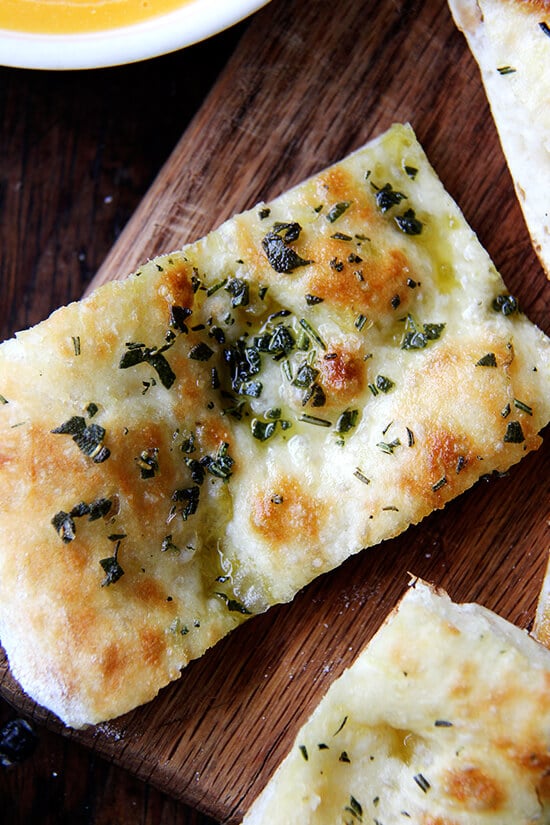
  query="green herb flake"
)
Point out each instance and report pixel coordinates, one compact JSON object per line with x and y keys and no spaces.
{"x":311,"y":300}
{"x":201,"y":352}
{"x":422,"y":782}
{"x":409,"y":223}
{"x":506,"y":70}
{"x":545,"y":28}
{"x":112,"y":568}
{"x":514,"y":433}
{"x":147,"y":462}
{"x":389,"y":447}
{"x":410,"y":437}
{"x":344,"y":720}
{"x":312,"y":419}
{"x":281,"y":257}
{"x":360,"y":322}
{"x":139,"y":354}
{"x":76,"y":344}
{"x":359,"y":474}
{"x":312,"y":333}
{"x":239,"y":291}
{"x":387,"y":197}
{"x":264,"y":213}
{"x":167,"y":545}
{"x":488,"y":360}
{"x":506,"y":304}
{"x":3,"y":400}
{"x":337,"y":211}
{"x":355,"y":809}
{"x":443,"y":723}
{"x":439,"y":484}
{"x":303,"y":751}
{"x":346,"y":421}
{"x":88,"y":437}
{"x":384,"y":384}
{"x":344,"y":758}
{"x":523,"y":407}
{"x":411,"y":171}
{"x":263,"y":430}
{"x":233,"y":605}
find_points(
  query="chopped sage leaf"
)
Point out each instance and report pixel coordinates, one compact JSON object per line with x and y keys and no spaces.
{"x":514,"y":433}
{"x":347,"y":421}
{"x":201,"y":352}
{"x":344,"y":757}
{"x":264,"y":213}
{"x":178,"y":317}
{"x":65,"y":526}
{"x":262,"y":430}
{"x":239,"y":291}
{"x":505,"y":412}
{"x":112,"y":568}
{"x":92,"y":409}
{"x":311,"y":300}
{"x":409,"y":223}
{"x":282,"y":258}
{"x":233,"y":605}
{"x":189,"y":498}
{"x":337,"y":211}
{"x":139,"y":354}
{"x":384,"y":384}
{"x":387,"y":197}
{"x":488,"y":360}
{"x":506,"y":304}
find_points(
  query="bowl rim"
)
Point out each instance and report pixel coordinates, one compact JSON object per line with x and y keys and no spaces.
{"x":193,"y":22}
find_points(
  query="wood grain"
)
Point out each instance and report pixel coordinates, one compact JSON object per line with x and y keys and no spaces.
{"x":308,"y":83}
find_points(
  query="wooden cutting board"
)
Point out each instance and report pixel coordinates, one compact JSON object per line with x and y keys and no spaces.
{"x":308,"y":83}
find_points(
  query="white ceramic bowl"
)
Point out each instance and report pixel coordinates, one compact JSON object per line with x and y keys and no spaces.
{"x":194,"y":21}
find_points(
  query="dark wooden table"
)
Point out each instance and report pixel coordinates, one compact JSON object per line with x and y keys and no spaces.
{"x":78,"y":151}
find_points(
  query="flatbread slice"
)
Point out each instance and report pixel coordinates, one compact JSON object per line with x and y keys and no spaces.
{"x":443,"y":718}
{"x":510,"y":39}
{"x":187,"y":447}
{"x":541,"y":626}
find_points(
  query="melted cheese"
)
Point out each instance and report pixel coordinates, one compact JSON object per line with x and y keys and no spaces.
{"x":256,"y":428}
{"x":443,"y":719}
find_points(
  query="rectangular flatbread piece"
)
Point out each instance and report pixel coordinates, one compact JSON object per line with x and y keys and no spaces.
{"x":510,"y":40}
{"x":443,"y":719}
{"x":189,"y":446}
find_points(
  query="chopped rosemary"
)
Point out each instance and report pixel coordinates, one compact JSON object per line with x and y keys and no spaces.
{"x":303,"y":751}
{"x":360,"y":322}
{"x":523,"y":407}
{"x":361,"y":476}
{"x":389,"y":447}
{"x":545,"y":28}
{"x":439,"y":484}
{"x":355,"y":808}
{"x":312,"y":333}
{"x":76,"y":344}
{"x":312,"y":419}
{"x":311,"y":300}
{"x":443,"y":723}
{"x":422,"y":782}
{"x":344,"y":757}
{"x":505,"y":70}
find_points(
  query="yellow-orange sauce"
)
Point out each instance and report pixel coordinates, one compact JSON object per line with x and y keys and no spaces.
{"x":77,"y":16}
